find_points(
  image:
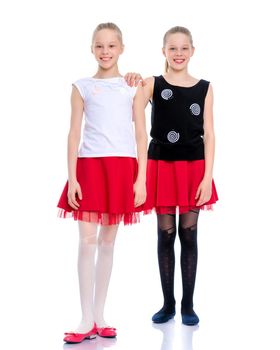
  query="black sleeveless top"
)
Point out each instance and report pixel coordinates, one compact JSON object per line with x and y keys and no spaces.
{"x":177,"y":121}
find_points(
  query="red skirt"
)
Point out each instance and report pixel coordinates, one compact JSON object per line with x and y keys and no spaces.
{"x":107,"y":190}
{"x":172,"y":186}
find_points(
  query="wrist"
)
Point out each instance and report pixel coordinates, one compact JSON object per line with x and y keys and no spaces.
{"x":141,"y":179}
{"x":72,"y":180}
{"x":207,"y":178}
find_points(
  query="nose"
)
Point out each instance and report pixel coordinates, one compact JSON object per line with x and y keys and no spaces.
{"x":105,"y":50}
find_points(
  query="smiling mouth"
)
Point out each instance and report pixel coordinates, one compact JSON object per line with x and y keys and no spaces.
{"x":105,"y":59}
{"x":179,"y":60}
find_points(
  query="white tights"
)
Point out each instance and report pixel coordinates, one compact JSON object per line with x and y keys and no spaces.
{"x":94,"y":274}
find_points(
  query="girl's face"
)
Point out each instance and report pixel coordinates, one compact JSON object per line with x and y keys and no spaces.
{"x":178,"y":50}
{"x":106,"y":47}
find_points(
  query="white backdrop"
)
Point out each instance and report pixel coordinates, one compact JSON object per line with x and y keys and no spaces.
{"x":45,"y":46}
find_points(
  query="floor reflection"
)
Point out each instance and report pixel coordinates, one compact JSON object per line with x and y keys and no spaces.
{"x":187,"y":336}
{"x":168,"y":335}
{"x":168,"y":332}
{"x":98,"y":343}
{"x":172,"y":336}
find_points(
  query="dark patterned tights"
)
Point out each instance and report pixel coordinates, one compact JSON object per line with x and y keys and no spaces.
{"x":166,"y":258}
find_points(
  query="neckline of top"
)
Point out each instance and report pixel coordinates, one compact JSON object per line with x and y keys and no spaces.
{"x":107,"y":79}
{"x":179,"y":86}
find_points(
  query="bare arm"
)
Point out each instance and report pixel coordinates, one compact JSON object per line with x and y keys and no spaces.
{"x":77,"y":107}
{"x":141,"y":142}
{"x":205,"y":188}
{"x":148,"y":89}
{"x":209,"y":136}
{"x":133,"y":79}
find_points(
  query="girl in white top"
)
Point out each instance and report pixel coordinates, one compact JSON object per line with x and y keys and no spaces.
{"x":106,"y":173}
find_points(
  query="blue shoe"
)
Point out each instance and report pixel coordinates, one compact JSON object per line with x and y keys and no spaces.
{"x":162,"y":316}
{"x":190,"y":319}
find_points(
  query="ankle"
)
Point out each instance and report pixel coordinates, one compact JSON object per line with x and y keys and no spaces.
{"x":187,"y":308}
{"x":169,"y":307}
{"x":100,"y":322}
{"x":85,"y":326}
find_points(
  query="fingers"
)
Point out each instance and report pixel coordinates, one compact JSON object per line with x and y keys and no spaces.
{"x":133,"y":79}
{"x":72,"y":201}
{"x":197,"y":193}
{"x":79,"y":193}
{"x":203,"y":198}
{"x":127,"y":78}
{"x":139,"y":200}
{"x":200,"y":202}
{"x":139,"y":79}
{"x":138,"y":203}
{"x":143,"y":82}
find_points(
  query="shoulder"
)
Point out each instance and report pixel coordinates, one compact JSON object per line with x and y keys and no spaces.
{"x":149,"y":87}
{"x":81,"y":85}
{"x":208,"y":86}
{"x":209,"y":97}
{"x":83,"y":81}
{"x":205,"y":87}
{"x":149,"y":80}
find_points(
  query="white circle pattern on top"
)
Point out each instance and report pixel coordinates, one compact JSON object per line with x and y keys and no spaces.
{"x":195,"y":109}
{"x":173,"y":136}
{"x":166,"y":94}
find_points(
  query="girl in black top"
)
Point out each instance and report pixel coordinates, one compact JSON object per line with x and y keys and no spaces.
{"x":180,"y":166}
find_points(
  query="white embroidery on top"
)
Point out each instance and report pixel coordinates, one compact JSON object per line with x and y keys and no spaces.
{"x":173,"y":136}
{"x":195,"y":109}
{"x":166,"y":94}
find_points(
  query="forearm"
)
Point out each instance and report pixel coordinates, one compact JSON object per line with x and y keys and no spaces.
{"x":141,"y":141}
{"x":209,"y":151}
{"x":72,"y":155}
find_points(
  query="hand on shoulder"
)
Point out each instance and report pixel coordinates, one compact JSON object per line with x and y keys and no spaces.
{"x":133,"y":79}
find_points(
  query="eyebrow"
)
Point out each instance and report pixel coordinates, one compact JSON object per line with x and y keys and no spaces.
{"x":174,"y":45}
{"x":111,"y":42}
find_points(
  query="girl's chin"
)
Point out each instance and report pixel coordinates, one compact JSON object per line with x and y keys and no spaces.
{"x":178,"y":67}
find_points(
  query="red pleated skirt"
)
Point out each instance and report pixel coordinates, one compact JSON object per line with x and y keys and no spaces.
{"x":107,"y":191}
{"x":172,"y":186}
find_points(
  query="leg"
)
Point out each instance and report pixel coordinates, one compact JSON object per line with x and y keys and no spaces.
{"x":104,"y":264}
{"x":86,"y":272}
{"x":188,"y":239}
{"x":166,"y":261}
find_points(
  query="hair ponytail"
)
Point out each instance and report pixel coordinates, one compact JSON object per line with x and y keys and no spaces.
{"x":166,"y":65}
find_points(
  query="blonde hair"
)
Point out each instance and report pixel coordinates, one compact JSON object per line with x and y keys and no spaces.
{"x":174,"y":30}
{"x":108,"y":25}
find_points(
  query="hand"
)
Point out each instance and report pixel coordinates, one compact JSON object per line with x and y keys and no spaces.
{"x":204,"y":192}
{"x":74,"y":191}
{"x":140,"y":194}
{"x":133,"y":79}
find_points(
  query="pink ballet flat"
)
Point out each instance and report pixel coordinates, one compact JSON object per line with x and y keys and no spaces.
{"x":106,"y":332}
{"x":73,"y":338}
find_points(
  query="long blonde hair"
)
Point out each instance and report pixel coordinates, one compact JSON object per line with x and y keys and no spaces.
{"x":174,"y":30}
{"x":108,"y":25}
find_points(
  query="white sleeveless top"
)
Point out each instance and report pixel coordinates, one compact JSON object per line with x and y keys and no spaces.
{"x":108,"y":126}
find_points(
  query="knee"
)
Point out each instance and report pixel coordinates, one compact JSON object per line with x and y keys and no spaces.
{"x":166,"y":237}
{"x":188,"y":235}
{"x":89,"y":239}
{"x":106,"y":243}
{"x":107,"y":237}
{"x":106,"y":248}
{"x":88,"y":233}
{"x":167,"y":230}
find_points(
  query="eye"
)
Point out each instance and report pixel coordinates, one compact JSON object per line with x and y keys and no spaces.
{"x":185,"y":48}
{"x":112,"y":46}
{"x":172,"y":48}
{"x":98,"y":46}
